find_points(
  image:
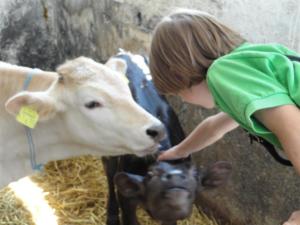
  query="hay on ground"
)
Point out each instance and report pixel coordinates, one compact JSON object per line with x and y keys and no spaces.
{"x":77,"y":190}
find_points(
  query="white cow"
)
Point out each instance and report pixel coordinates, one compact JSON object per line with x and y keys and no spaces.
{"x":84,"y":108}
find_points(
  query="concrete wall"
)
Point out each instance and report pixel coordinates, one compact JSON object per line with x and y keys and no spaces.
{"x":43,"y":33}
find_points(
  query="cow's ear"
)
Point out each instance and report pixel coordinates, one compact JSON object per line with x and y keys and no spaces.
{"x":117,"y":64}
{"x":129,"y":185}
{"x":41,"y":102}
{"x":216,"y":175}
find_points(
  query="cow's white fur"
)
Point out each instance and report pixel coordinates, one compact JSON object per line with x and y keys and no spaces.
{"x":66,"y":127}
{"x":34,"y":200}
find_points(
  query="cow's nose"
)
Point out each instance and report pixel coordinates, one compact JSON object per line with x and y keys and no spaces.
{"x":157,"y":132}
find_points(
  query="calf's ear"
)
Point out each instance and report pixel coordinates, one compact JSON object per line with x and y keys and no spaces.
{"x":129,"y":185}
{"x":216,"y":175}
{"x":117,"y":64}
{"x":39,"y":101}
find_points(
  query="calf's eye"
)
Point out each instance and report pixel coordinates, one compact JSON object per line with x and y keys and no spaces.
{"x":150,"y":175}
{"x":92,"y":105}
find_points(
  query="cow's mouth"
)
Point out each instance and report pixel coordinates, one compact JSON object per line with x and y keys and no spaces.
{"x":151,"y":150}
{"x":176,"y":192}
{"x":177,"y":188}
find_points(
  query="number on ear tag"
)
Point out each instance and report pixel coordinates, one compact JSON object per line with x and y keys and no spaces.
{"x":28,"y":117}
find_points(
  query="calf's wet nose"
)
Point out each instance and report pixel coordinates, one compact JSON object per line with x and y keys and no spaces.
{"x":173,"y":174}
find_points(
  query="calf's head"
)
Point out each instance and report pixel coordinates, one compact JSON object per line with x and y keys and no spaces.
{"x":168,"y":191}
{"x":96,"y":108}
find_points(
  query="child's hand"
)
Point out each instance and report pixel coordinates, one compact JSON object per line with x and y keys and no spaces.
{"x":172,"y":154}
{"x":294,"y":219}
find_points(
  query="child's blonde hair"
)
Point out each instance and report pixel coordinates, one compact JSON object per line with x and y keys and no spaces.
{"x":184,"y":45}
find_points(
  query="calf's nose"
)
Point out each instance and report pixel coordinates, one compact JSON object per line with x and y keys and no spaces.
{"x":157,"y":132}
{"x":174,"y":174}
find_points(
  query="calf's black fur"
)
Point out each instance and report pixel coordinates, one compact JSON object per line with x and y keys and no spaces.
{"x":146,"y":95}
{"x":168,"y":191}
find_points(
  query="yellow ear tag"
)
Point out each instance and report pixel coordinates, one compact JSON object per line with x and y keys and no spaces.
{"x":28,"y":117}
{"x":124,"y":78}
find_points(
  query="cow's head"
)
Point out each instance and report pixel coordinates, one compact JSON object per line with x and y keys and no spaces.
{"x":95,"y":105}
{"x":168,"y":191}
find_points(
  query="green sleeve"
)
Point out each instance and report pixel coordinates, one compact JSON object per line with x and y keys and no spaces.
{"x":242,"y":85}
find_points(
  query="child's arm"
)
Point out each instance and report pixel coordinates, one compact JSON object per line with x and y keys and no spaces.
{"x":206,"y":133}
{"x":284,"y":122}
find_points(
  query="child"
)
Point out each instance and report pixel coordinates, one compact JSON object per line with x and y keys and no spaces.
{"x":255,"y":86}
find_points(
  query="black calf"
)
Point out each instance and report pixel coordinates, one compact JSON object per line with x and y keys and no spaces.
{"x":146,"y":95}
{"x":168,"y":191}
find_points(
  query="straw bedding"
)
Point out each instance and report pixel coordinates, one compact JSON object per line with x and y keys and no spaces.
{"x":77,"y":190}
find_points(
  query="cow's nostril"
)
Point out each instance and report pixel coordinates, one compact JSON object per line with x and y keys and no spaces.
{"x":156,"y":132}
{"x":169,"y":176}
{"x":152,"y":133}
{"x":182,"y":176}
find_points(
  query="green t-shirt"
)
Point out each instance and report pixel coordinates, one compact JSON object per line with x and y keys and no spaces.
{"x":254,"y":77}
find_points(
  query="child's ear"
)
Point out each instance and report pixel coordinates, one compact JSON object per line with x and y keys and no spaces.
{"x":216,"y":175}
{"x":129,"y":185}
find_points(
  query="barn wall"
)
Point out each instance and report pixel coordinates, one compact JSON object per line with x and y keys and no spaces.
{"x":44,"y":33}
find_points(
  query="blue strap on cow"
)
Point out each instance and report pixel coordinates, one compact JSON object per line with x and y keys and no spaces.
{"x":34,"y":165}
{"x":28,"y":79}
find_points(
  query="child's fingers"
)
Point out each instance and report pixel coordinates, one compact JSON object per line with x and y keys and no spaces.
{"x":165,"y":156}
{"x":161,"y":157}
{"x":168,"y":155}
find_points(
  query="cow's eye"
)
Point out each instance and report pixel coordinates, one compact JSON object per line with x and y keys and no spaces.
{"x":92,"y":105}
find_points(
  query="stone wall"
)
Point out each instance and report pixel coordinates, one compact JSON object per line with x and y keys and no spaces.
{"x":44,"y":33}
